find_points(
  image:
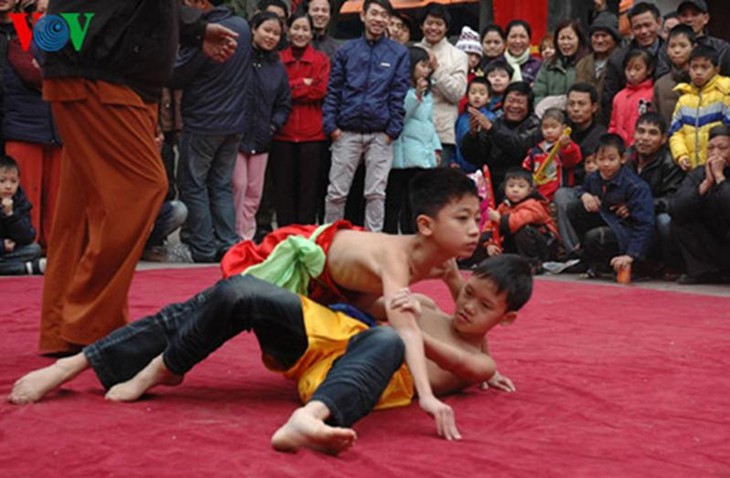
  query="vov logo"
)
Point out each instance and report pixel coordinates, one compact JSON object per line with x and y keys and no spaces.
{"x":52,"y":32}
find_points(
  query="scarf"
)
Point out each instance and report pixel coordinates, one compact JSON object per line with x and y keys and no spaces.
{"x":516,"y":61}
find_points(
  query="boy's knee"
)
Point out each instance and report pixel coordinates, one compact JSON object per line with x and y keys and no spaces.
{"x":389,"y":341}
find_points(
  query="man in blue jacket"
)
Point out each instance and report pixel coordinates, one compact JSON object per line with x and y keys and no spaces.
{"x":213,"y":121}
{"x":363,"y":113}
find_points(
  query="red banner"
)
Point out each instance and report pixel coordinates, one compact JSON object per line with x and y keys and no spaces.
{"x":534,"y":12}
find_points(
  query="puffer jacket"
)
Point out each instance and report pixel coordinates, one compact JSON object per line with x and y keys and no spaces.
{"x":417,"y":145}
{"x":630,"y":103}
{"x":368,"y":82}
{"x":553,"y":79}
{"x":267,"y":103}
{"x":697,"y":111}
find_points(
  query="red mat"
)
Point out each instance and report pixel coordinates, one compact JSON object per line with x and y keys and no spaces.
{"x":611,"y":382}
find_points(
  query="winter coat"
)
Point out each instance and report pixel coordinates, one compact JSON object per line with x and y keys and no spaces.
{"x":17,"y":227}
{"x":665,"y":96}
{"x":630,"y":103}
{"x":449,"y":86}
{"x":461,"y":129}
{"x":503,"y":147}
{"x":531,"y":211}
{"x":267,"y":103}
{"x":712,"y":209}
{"x":585,"y":72}
{"x":559,"y":172}
{"x":697,"y":111}
{"x":131,"y":43}
{"x":368,"y":82}
{"x":213,"y":93}
{"x":417,"y":145}
{"x":553,"y":79}
{"x":615,"y":79}
{"x":662,"y":175}
{"x":305,"y":120}
{"x":26,"y":117}
{"x":634,"y":233}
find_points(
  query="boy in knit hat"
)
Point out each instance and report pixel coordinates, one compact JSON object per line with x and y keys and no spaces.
{"x":470,"y":44}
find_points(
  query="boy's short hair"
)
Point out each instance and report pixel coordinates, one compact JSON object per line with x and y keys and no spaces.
{"x":554,"y":113}
{"x":499,"y":64}
{"x":436,"y":10}
{"x":719,"y":130}
{"x":584,"y":88}
{"x":641,"y":53}
{"x":611,"y":140}
{"x":385,"y":4}
{"x":434,"y":189}
{"x":511,"y":273}
{"x":8,"y":163}
{"x":643,"y":7}
{"x":655,"y":119}
{"x":480,"y":80}
{"x":683,"y":30}
{"x":518,"y":173}
{"x":702,"y":51}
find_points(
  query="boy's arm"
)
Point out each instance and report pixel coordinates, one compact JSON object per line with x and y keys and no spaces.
{"x":404,"y":322}
{"x":469,"y":367}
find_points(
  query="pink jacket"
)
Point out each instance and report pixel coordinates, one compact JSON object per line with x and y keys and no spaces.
{"x":630,"y":103}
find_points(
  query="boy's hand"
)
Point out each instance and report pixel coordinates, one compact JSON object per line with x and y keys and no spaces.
{"x":590,"y":202}
{"x":500,"y":382}
{"x":336,"y":134}
{"x":7,"y":205}
{"x":444,"y":416}
{"x":405,"y":302}
{"x":493,"y":215}
{"x":620,"y":210}
{"x":307,"y":81}
{"x":684,"y":163}
{"x":9,"y":245}
{"x":564,"y":140}
{"x":620,"y":262}
{"x":493,"y":250}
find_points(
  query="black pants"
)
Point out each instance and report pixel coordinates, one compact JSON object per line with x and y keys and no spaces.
{"x":398,"y":210}
{"x":597,"y":240}
{"x":535,"y":243}
{"x":704,"y":251}
{"x":295,"y":173}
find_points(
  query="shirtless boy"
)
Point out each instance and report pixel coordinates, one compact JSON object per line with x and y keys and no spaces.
{"x":306,"y":340}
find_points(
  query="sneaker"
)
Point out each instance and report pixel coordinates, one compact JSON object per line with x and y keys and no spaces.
{"x":36,"y":267}
{"x":155,"y":254}
{"x":558,"y":267}
{"x":179,"y":253}
{"x":706,"y":278}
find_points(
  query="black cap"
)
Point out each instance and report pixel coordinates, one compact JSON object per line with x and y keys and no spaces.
{"x":700,"y":5}
{"x":606,"y":23}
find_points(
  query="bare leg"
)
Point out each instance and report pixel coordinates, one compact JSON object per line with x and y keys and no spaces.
{"x":155,"y":373}
{"x":306,"y":429}
{"x":35,"y":385}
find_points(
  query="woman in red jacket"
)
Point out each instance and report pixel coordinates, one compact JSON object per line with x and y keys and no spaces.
{"x":296,"y":155}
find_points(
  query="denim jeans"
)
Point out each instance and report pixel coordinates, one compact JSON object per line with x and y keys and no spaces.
{"x":186,"y":333}
{"x":563,"y":198}
{"x":13,"y":263}
{"x":204,"y":179}
{"x":172,"y":216}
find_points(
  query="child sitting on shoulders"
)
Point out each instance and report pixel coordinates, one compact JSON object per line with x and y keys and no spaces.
{"x":704,"y":104}
{"x":478,"y":93}
{"x":523,"y":222}
{"x":551,"y":170}
{"x":19,"y":255}
{"x":636,"y":99}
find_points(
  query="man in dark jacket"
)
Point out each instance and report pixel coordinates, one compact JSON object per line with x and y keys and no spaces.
{"x":645,"y":21}
{"x":696,"y":14}
{"x":363,"y":113}
{"x":701,"y":214}
{"x":213,"y":120}
{"x":504,"y":143}
{"x":104,"y":97}
{"x":652,"y":161}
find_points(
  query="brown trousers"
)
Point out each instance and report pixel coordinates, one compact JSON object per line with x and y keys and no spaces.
{"x":111,"y":187}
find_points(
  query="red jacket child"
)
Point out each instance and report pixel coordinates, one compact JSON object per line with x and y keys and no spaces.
{"x":628,"y":104}
{"x":558,"y":173}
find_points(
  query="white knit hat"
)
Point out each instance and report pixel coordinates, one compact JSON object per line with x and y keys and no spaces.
{"x":469,"y":42}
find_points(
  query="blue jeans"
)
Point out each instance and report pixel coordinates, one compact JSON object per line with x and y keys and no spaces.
{"x":13,"y":263}
{"x":172,"y":216}
{"x":204,"y":180}
{"x":186,"y":333}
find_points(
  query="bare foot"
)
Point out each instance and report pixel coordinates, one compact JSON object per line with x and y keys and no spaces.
{"x":35,"y":385}
{"x":155,"y":373}
{"x":306,"y":430}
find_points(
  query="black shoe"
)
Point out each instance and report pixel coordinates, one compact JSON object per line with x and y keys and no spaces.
{"x":706,"y":278}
